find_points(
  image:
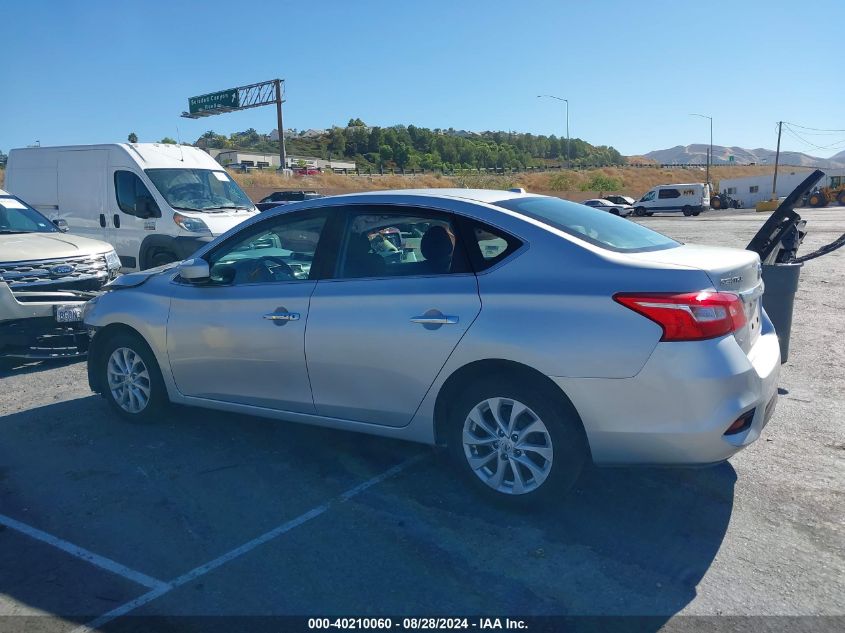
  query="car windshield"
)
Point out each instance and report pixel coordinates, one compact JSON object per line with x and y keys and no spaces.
{"x":199,"y":189}
{"x":18,"y":217}
{"x":591,"y":225}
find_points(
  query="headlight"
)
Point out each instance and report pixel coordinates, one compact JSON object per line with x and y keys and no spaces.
{"x":112,"y":260}
{"x":194,"y":225}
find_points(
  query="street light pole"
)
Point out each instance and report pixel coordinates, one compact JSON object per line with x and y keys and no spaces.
{"x":566,"y":101}
{"x":709,"y":153}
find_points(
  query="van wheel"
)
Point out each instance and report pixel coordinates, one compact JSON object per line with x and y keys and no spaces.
{"x":515,"y":443}
{"x":640,"y":212}
{"x":130,"y":378}
{"x":161,"y":258}
{"x":696,"y":213}
{"x":687,"y":210}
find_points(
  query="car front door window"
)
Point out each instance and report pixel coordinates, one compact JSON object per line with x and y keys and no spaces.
{"x":282,"y":251}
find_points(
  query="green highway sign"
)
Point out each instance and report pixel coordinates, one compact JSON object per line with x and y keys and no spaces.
{"x":214,"y":101}
{"x":730,"y":159}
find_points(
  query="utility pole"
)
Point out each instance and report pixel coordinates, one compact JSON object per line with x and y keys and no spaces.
{"x":777,"y":160}
{"x":282,"y":156}
{"x":567,"y":122}
{"x":710,"y":151}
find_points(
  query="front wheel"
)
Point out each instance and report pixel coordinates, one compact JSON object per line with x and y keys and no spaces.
{"x":130,"y":378}
{"x":640,"y":212}
{"x":515,"y":443}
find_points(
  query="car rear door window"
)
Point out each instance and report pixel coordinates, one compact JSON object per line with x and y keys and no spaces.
{"x":668,"y":193}
{"x":390,"y":242}
{"x":488,"y":245}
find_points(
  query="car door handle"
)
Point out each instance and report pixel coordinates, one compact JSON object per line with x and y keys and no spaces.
{"x":103,"y":220}
{"x":282,"y":316}
{"x":116,"y":221}
{"x":435,"y":320}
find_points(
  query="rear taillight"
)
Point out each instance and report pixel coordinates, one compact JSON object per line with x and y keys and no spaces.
{"x":688,"y":316}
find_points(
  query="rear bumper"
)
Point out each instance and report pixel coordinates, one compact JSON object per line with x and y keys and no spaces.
{"x":28,"y":328}
{"x":677,"y":409}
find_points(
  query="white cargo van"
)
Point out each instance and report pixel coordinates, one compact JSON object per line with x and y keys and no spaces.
{"x":155,"y":203}
{"x":688,"y":198}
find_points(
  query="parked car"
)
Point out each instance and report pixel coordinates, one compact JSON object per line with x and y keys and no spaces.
{"x":286,"y":197}
{"x":307,"y":171}
{"x":624,"y":200}
{"x":46,"y":276}
{"x":688,"y":198}
{"x":154,"y":203}
{"x":603,"y":204}
{"x":526,"y":333}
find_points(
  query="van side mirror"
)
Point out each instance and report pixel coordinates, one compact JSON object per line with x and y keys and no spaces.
{"x":194,"y":269}
{"x":61,"y":225}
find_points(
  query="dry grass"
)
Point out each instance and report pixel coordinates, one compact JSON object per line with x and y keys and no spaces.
{"x":567,"y":184}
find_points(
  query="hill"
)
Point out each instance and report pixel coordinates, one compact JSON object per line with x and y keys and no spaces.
{"x":697,"y":154}
{"x":411,"y":147}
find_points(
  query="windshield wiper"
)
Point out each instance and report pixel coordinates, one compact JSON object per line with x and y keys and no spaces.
{"x":185,"y":208}
{"x":227,"y":206}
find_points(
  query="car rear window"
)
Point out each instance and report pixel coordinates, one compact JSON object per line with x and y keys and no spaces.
{"x":591,"y":225}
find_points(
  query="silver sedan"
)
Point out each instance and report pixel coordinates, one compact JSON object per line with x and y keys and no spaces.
{"x":527,"y":334}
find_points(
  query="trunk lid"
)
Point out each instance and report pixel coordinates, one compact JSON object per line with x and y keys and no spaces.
{"x":729,"y":270}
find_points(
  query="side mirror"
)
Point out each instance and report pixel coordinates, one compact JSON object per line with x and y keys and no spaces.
{"x":61,"y":225}
{"x":194,"y":269}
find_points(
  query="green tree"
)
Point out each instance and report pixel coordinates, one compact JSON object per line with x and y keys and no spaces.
{"x":132,"y":138}
{"x":337,"y":141}
{"x":356,"y":123}
{"x":168,"y":141}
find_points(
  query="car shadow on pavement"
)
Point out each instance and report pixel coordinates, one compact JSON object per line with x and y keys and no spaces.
{"x":22,"y":366}
{"x":165,"y":497}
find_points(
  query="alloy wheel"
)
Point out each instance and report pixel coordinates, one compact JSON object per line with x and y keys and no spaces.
{"x":507,"y":446}
{"x":128,"y":380}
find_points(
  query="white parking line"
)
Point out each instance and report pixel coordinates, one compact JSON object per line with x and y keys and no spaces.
{"x":82,"y":553}
{"x":195,"y":573}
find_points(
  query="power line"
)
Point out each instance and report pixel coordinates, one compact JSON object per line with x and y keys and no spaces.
{"x":795,"y":134}
{"x":814,"y":129}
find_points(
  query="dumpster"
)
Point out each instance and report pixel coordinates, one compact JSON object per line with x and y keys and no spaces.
{"x":781,"y":284}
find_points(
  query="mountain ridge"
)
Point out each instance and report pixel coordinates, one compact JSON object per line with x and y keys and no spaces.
{"x":697,"y":153}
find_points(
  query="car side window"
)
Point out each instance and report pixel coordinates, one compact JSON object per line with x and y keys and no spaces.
{"x":648,"y":196}
{"x":381,"y":242}
{"x":133,"y":197}
{"x":488,"y":245}
{"x":281,"y":250}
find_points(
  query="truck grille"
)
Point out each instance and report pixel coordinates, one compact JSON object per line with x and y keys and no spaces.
{"x":84,"y":272}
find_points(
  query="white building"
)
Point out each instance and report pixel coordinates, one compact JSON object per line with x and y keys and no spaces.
{"x":752,"y":189}
{"x":248,"y":159}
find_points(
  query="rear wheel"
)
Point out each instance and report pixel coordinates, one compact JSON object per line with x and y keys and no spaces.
{"x":515,"y":442}
{"x":817,"y":200}
{"x":130,"y":378}
{"x":687,"y":210}
{"x":696,"y":213}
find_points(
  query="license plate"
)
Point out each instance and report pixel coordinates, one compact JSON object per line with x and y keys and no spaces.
{"x":68,"y":313}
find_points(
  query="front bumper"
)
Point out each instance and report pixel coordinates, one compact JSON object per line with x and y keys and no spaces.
{"x":676,"y":410}
{"x":28,"y":328}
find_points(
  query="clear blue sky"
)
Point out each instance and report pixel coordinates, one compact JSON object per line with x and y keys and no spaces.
{"x":92,"y":71}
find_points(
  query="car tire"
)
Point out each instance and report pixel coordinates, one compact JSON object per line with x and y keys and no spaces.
{"x":695,"y":214}
{"x":142,"y":396}
{"x":687,"y":211}
{"x":640,"y":212}
{"x":614,"y":211}
{"x":161,"y":258}
{"x":537,"y":468}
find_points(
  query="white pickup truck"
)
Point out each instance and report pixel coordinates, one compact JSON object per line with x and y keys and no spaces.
{"x":46,"y":276}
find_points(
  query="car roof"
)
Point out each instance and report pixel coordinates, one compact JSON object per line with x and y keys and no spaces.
{"x":598,"y":200}
{"x":4,"y":193}
{"x":487,"y":196}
